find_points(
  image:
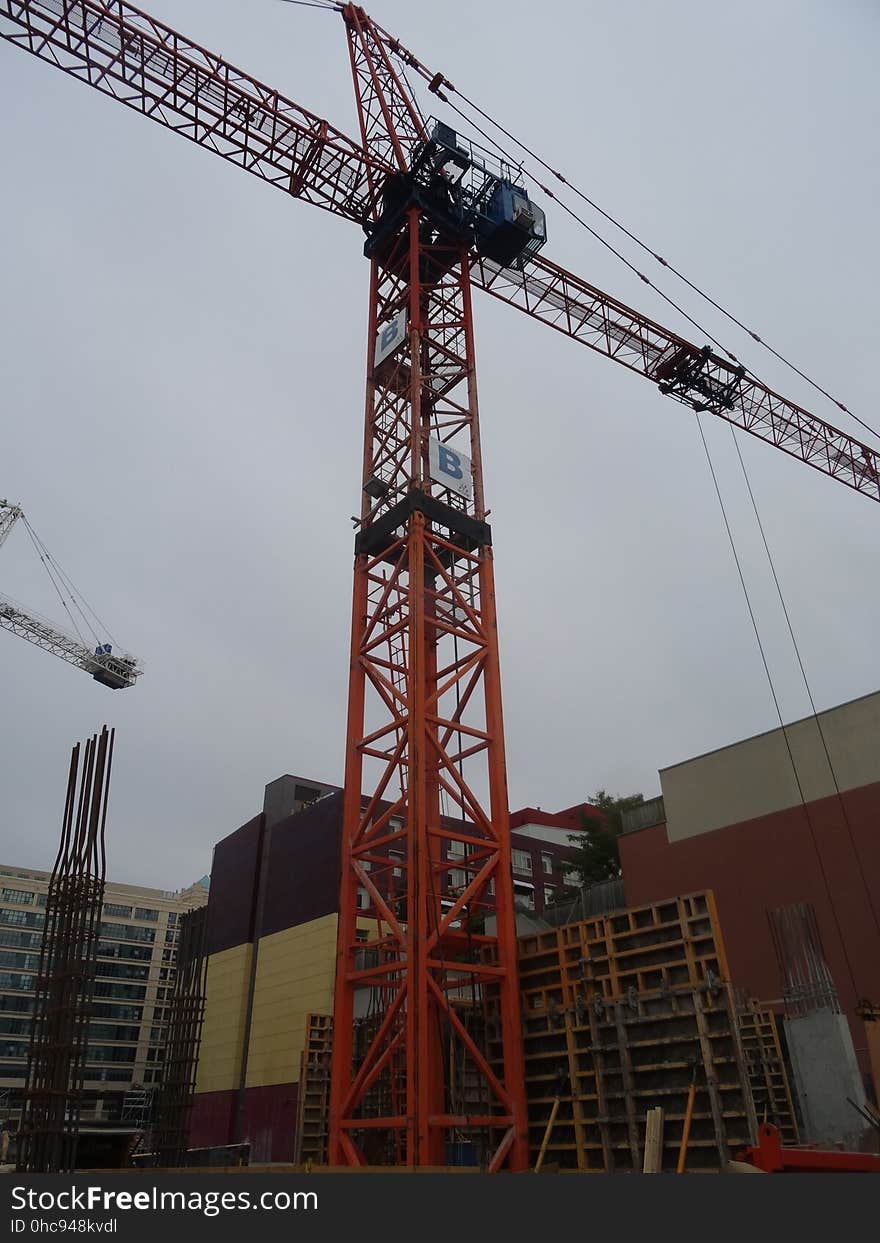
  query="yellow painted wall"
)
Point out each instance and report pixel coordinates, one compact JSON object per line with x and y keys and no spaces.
{"x":295,"y":977}
{"x":223,"y":1030}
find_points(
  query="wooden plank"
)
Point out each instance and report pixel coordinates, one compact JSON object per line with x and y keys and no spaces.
{"x":653,"y":1163}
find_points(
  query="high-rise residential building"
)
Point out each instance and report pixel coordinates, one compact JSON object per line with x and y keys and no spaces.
{"x":136,"y":958}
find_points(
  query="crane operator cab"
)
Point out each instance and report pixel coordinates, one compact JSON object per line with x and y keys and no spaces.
{"x":510,"y":228}
{"x":117,"y":672}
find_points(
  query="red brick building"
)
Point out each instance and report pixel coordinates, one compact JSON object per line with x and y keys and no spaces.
{"x":733,"y":821}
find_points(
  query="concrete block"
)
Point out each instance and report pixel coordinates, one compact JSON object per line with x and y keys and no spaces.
{"x":826,"y":1072}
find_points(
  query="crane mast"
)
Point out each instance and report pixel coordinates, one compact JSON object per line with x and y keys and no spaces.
{"x":414,"y":1065}
{"x":427,"y":1043}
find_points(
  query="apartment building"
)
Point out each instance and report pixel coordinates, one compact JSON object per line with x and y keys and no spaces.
{"x":136,"y":960}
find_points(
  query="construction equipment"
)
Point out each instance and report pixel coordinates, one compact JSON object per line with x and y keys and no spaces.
{"x":114,"y":669}
{"x":770,"y":1156}
{"x":425,"y":735}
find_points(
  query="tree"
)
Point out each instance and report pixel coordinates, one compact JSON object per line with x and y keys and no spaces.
{"x":596,"y":856}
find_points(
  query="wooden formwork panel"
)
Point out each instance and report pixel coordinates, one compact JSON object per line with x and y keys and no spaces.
{"x":765,"y":1066}
{"x":621,"y":1012}
{"x":313,"y":1102}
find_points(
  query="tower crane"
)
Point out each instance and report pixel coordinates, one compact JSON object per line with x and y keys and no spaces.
{"x":114,"y":669}
{"x":427,"y":1043}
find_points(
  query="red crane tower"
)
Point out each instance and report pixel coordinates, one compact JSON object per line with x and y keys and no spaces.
{"x":427,"y":1046}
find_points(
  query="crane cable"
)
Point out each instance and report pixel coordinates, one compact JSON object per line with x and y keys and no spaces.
{"x":776,"y":704}
{"x":807,"y":687}
{"x":640,"y":243}
{"x":438,"y":83}
{"x":62,"y":582}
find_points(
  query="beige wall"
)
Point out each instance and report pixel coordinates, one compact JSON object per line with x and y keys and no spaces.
{"x":223,"y":1029}
{"x":755,"y":778}
{"x":295,"y":977}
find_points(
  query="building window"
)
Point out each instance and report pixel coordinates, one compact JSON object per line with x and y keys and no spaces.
{"x":121,"y":949}
{"x":19,"y":1005}
{"x":23,"y":896}
{"x":23,"y":940}
{"x":26,"y":919}
{"x":549,"y":895}
{"x":114,"y":908}
{"x":524,"y":895}
{"x":457,"y":850}
{"x":363,"y":898}
{"x":106,"y":1010}
{"x":13,"y":1048}
{"x":112,"y":1031}
{"x":172,"y":918}
{"x":122,"y":992}
{"x":15,"y":1027}
{"x":128,"y":932}
{"x":547,"y":863}
{"x":24,"y":983}
{"x":458,"y":878}
{"x":122,"y":970}
{"x":24,"y":962}
{"x":522,"y":861}
{"x":146,"y":912}
{"x":101,"y":1074}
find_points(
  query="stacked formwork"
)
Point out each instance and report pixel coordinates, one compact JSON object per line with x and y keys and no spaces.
{"x":765,"y":1064}
{"x":621,"y":1013}
{"x":313,"y":1101}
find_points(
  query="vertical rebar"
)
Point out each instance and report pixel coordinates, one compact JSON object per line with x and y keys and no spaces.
{"x":58,"y":1048}
{"x":186,"y":1013}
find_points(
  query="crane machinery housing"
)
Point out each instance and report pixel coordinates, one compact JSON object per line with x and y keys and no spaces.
{"x":428,"y":1043}
{"x":116,"y":670}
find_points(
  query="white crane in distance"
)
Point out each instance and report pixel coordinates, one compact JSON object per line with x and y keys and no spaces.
{"x":114,"y":669}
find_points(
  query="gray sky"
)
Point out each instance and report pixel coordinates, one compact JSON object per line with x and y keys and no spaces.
{"x":182,"y":374}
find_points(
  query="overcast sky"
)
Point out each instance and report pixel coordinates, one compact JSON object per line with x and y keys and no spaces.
{"x":182,"y":380}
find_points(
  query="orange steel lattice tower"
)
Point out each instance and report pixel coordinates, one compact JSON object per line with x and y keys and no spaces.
{"x":427,"y":1033}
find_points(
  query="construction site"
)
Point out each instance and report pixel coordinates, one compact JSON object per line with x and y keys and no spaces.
{"x":407,"y":971}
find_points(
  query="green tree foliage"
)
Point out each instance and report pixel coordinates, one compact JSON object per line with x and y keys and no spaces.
{"x":596,"y":855}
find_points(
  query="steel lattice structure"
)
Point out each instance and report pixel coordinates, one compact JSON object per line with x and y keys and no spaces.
{"x":65,"y":983}
{"x":186,"y":1014}
{"x":428,"y":1045}
{"x":123,"y":52}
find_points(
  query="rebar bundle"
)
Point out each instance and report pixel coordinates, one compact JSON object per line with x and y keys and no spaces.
{"x":807,"y":983}
{"x":65,"y":983}
{"x":187,"y":1011}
